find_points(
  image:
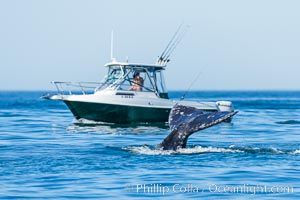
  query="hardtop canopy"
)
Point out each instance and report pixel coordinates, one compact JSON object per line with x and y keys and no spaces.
{"x":136,"y":65}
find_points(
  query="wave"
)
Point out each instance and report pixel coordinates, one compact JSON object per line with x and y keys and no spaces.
{"x":147,"y":150}
{"x":288,"y":122}
{"x":86,"y":122}
{"x":296,"y":152}
{"x":150,"y":150}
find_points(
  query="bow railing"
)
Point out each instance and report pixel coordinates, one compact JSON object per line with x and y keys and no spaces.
{"x":70,"y":88}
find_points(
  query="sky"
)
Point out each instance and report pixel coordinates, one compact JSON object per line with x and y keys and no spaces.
{"x":235,"y":45}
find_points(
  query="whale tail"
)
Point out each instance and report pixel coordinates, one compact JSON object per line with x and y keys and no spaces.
{"x":185,"y":120}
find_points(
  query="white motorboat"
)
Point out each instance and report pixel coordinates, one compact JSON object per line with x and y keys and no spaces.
{"x":119,"y":98}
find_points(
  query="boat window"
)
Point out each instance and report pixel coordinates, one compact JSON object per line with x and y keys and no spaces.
{"x":160,"y":82}
{"x":112,"y":76}
{"x":136,"y":79}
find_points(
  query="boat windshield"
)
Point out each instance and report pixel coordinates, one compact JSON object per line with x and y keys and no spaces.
{"x":113,"y":75}
{"x":134,"y":78}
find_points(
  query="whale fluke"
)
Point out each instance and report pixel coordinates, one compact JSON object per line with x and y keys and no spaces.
{"x":185,"y":120}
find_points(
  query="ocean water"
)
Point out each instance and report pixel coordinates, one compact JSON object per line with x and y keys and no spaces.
{"x":46,"y":154}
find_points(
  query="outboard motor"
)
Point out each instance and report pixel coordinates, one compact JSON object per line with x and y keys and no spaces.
{"x":224,"y":106}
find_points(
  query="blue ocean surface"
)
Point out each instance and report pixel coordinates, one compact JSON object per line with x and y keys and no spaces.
{"x":46,"y":154}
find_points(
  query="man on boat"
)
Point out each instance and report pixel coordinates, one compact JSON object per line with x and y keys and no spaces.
{"x":138,"y":82}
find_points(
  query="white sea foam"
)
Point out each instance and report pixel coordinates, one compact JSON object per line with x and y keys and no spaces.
{"x":88,"y":122}
{"x":146,"y":150}
{"x":200,"y":149}
{"x":296,"y":151}
{"x":275,"y":150}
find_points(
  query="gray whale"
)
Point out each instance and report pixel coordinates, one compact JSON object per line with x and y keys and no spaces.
{"x":185,"y":120}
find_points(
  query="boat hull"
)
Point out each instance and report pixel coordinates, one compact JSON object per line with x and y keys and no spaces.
{"x":125,"y":108}
{"x":121,"y":114}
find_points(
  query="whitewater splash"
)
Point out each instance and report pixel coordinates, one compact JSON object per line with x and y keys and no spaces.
{"x":148,"y":150}
{"x":297,"y":151}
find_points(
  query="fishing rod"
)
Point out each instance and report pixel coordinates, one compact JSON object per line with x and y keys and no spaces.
{"x":177,"y":41}
{"x":190,"y":86}
{"x":173,"y":37}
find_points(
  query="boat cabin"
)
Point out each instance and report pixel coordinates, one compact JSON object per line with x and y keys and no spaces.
{"x":123,"y":77}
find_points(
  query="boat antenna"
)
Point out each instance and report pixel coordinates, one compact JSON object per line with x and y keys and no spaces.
{"x":175,"y":40}
{"x":112,"y":45}
{"x":190,"y":86}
